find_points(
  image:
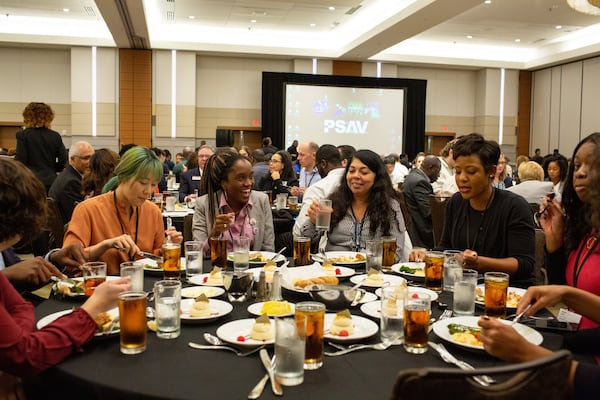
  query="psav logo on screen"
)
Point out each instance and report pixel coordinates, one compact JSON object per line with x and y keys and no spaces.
{"x":343,"y":126}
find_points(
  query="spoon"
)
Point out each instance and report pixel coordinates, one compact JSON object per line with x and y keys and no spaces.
{"x":215,"y":341}
{"x":150,"y":313}
{"x":276,"y":255}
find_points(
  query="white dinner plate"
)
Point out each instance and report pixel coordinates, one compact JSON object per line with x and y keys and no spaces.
{"x":218,"y":309}
{"x":256,"y":308}
{"x":151,"y":267}
{"x":114,"y":313}
{"x":230,"y":332}
{"x":368,"y":297}
{"x":510,"y":305}
{"x":290,"y":274}
{"x":372,"y":309}
{"x":433,"y":295}
{"x":388,"y":280}
{"x":202,"y":279}
{"x":265,"y":254}
{"x":69,"y":283}
{"x":194,"y":291}
{"x":363,"y":328}
{"x":342,"y":257}
{"x":441,"y":330}
{"x":419,"y":274}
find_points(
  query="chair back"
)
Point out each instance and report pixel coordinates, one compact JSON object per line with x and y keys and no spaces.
{"x":545,"y":378}
{"x":52,"y":233}
{"x":187,"y":228}
{"x":437,"y":205}
{"x":539,"y":268}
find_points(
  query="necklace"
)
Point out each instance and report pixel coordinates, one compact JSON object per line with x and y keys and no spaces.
{"x":137,"y":218}
{"x":480,"y":227}
{"x":358,"y":226}
{"x":585,"y":250}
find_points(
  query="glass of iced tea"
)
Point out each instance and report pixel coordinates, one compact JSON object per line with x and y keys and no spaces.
{"x":94,"y":273}
{"x":292,"y":202}
{"x":434,"y":270}
{"x":496,"y":288}
{"x":218,"y":252}
{"x":389,"y":252}
{"x":171,"y":260}
{"x":301,"y":251}
{"x":132,"y":321}
{"x":314,"y":313}
{"x":417,"y":310}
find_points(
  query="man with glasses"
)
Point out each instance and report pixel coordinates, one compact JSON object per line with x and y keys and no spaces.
{"x":190,"y":179}
{"x":66,"y":189}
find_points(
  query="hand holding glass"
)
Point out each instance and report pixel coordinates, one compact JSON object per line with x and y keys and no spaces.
{"x":324,"y":215}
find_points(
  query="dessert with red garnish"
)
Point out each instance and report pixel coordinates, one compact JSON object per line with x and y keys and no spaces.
{"x":342,"y":324}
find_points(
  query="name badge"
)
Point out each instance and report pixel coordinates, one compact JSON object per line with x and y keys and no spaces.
{"x":196,"y":178}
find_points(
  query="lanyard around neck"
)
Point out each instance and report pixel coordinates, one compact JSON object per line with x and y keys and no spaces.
{"x":137,"y":217}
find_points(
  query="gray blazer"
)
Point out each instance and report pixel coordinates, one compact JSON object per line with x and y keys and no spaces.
{"x":260,"y":217}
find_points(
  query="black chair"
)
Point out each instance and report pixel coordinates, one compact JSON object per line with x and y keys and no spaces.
{"x":53,"y":232}
{"x":539,"y":268}
{"x":545,"y":378}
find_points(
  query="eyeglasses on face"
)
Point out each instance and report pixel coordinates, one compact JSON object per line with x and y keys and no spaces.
{"x":273,"y":161}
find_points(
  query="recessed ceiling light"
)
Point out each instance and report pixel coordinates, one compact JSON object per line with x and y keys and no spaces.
{"x":558,"y":27}
{"x":469,"y":36}
{"x":331,"y":8}
{"x":66,"y":10}
{"x":253,"y":21}
{"x":517,"y":40}
{"x":313,"y":25}
{"x":191,"y":16}
{"x":487,"y":2}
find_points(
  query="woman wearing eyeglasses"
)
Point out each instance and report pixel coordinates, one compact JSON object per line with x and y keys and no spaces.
{"x":282,"y":176}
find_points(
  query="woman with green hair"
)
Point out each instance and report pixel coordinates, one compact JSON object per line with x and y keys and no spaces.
{"x":115,"y":226}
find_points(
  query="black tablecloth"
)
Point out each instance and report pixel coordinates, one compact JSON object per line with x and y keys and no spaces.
{"x":170,"y":369}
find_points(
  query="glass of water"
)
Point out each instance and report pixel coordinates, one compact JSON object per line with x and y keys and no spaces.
{"x":464,"y":292}
{"x":452,"y":268}
{"x":392,"y":315}
{"x":290,"y":337}
{"x":135,"y":270}
{"x":193,"y":259}
{"x":324,"y":215}
{"x":241,"y":249}
{"x":167,"y":297}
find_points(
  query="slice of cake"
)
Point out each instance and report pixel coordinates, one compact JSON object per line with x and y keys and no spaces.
{"x":215,"y":277}
{"x":201,"y":307}
{"x":262,"y":329}
{"x":342,"y":324}
{"x":374,"y":278}
{"x":328,"y":268}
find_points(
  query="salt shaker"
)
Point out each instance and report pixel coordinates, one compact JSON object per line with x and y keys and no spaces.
{"x":276,"y":287}
{"x":261,"y":287}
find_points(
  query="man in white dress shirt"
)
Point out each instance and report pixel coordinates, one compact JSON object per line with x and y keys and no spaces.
{"x":446,"y":184}
{"x":329,"y":165}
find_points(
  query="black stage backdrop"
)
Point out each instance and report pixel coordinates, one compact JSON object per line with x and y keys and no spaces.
{"x":273,"y":102}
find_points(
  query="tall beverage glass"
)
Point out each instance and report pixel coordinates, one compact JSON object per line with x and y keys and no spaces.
{"x":452,"y":268}
{"x":241,"y":250}
{"x":374,"y":250}
{"x":290,"y":337}
{"x":301,"y":251}
{"x":324,"y":215}
{"x":132,"y":320}
{"x":218,"y":252}
{"x":172,"y":260}
{"x":434,"y":270}
{"x":392,"y":314}
{"x":293,"y":202}
{"x":417,"y":311}
{"x":389,"y":252}
{"x":167,"y":298}
{"x":135,"y":270}
{"x":94,"y":274}
{"x":314,"y":313}
{"x":464,"y":292}
{"x":496,"y":289}
{"x":193,"y":259}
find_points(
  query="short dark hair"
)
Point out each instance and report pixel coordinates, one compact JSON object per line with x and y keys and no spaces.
{"x":347,"y":151}
{"x":389,"y":160}
{"x":562,"y":163}
{"x":329,"y":153}
{"x":474,"y":143}
{"x":22,"y":201}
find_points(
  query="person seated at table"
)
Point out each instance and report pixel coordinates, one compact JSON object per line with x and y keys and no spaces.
{"x":102,"y":168}
{"x":25,"y":351}
{"x":115,"y":226}
{"x":281,"y":174}
{"x":229,"y":207}
{"x":556,"y":169}
{"x":365,"y":207}
{"x":190,"y":179}
{"x":494,"y":228}
{"x":503,"y":341}
{"x":572,"y":241}
{"x":531,"y":183}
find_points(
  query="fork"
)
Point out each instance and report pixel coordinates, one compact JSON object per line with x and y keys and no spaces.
{"x":237,"y":352}
{"x":445,"y":315}
{"x":377,"y":346}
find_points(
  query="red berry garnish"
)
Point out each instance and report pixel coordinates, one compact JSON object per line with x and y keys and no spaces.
{"x":337,"y":271}
{"x":344,"y":333}
{"x":241,"y":338}
{"x":205,"y":279}
{"x":415,"y":296}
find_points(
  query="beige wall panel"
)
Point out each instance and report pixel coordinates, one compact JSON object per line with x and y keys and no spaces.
{"x":81,"y":75}
{"x":162,"y":76}
{"x":540,"y":110}
{"x":11,"y":112}
{"x":207,"y":120}
{"x":107,"y":75}
{"x":590,"y":97}
{"x":387,"y":70}
{"x":570,"y":106}
{"x":460,"y":125}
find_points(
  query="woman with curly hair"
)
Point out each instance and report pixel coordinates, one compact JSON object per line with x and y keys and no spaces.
{"x":282,"y":176}
{"x":555,"y":168}
{"x":572,"y":242}
{"x":102,"y":168}
{"x":228,"y":206}
{"x":39,"y":147}
{"x":365,"y":207}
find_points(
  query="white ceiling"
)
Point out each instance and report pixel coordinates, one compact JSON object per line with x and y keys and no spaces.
{"x":405,"y":32}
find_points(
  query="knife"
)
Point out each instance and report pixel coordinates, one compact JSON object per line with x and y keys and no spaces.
{"x":150,"y":256}
{"x":483,"y":380}
{"x":264,"y":357}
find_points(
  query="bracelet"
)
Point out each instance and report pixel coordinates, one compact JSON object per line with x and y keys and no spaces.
{"x":48,"y":256}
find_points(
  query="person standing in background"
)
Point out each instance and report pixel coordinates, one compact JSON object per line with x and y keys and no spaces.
{"x":346,"y":152}
{"x":39,"y":147}
{"x":293,"y":150}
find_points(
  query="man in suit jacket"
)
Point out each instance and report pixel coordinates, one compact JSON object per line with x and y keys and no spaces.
{"x":190,"y":179}
{"x":66,"y":189}
{"x":416,"y":189}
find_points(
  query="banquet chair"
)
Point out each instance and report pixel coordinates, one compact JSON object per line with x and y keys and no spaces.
{"x":52,"y":233}
{"x":539,"y":267}
{"x":187,"y":228}
{"x":437,"y":206}
{"x":545,"y":378}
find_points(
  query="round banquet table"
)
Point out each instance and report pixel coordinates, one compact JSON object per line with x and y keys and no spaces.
{"x":170,"y":369}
